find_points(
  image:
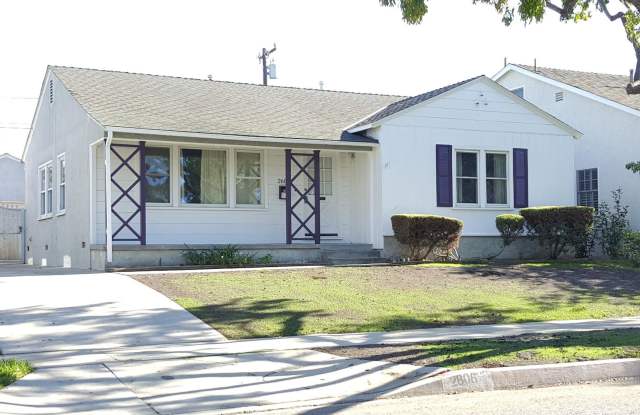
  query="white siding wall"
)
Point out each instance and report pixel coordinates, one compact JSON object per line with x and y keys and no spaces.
{"x":60,"y":127}
{"x":178,"y":224}
{"x":610,"y":136}
{"x":474,"y":117}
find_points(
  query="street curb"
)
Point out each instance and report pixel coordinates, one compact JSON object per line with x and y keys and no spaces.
{"x":522,"y":377}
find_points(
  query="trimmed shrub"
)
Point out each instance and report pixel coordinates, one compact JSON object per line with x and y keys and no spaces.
{"x":511,"y":227}
{"x":631,"y":247}
{"x":424,"y":233}
{"x":558,"y":227}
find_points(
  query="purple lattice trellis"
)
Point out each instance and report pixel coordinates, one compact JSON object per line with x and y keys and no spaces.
{"x":140,"y":235}
{"x":305,"y":163}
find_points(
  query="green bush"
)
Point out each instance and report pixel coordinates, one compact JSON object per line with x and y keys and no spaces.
{"x":631,"y":247}
{"x":424,"y":233}
{"x":611,"y":224}
{"x":558,"y":227}
{"x":227,"y":256}
{"x":511,"y":227}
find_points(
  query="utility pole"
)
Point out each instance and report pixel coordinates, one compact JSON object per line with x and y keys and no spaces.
{"x":263,"y":58}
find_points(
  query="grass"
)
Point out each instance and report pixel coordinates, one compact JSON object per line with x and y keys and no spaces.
{"x":12,"y":370}
{"x":583,"y":264}
{"x":268,"y":303}
{"x":510,"y":351}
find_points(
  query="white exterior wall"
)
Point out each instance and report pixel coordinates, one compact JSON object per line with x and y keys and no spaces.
{"x":192,"y":224}
{"x":60,"y":127}
{"x":12,"y":185}
{"x":476,"y":116}
{"x":610,"y":138}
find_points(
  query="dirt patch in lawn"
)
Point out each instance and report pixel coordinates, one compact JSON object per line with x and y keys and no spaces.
{"x":506,"y":351}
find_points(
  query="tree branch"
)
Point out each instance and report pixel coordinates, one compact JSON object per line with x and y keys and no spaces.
{"x":605,"y":10}
{"x":554,"y":7}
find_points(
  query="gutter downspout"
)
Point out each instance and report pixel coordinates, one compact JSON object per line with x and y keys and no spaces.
{"x":92,"y":214}
{"x":107,"y":196}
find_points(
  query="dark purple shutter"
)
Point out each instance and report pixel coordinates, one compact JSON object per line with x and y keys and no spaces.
{"x":520,"y":178}
{"x":444,"y":179}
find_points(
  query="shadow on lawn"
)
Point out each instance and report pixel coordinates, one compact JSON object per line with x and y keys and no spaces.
{"x":578,"y":284}
{"x":243,"y":315}
{"x":626,"y":343}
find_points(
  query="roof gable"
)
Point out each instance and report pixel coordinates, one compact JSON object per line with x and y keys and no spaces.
{"x":608,"y":89}
{"x":152,"y":102}
{"x":395,"y":109}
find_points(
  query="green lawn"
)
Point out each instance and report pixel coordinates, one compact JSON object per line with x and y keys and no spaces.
{"x":357,"y":299}
{"x":12,"y":370}
{"x":510,"y":351}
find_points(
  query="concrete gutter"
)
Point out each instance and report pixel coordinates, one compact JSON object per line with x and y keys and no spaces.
{"x":522,"y":377}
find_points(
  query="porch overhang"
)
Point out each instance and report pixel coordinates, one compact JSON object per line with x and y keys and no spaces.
{"x":346,"y":142}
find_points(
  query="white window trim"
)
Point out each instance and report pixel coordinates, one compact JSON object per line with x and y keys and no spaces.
{"x":456,"y":177}
{"x":263,"y":195}
{"x":171,"y":173}
{"x":59,"y":184}
{"x":45,"y":215}
{"x":482,"y":181}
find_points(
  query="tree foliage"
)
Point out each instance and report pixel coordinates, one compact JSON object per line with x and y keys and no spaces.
{"x":627,"y":12}
{"x":634,"y":166}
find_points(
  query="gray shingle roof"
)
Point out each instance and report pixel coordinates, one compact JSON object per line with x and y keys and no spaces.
{"x":122,"y":99}
{"x":398,"y":106}
{"x":611,"y":87}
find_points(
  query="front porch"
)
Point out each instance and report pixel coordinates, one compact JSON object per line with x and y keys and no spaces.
{"x":293,"y":200}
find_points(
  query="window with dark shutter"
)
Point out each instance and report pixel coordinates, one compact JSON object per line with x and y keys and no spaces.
{"x":444,"y":179}
{"x":587,"y":184}
{"x":520,"y":178}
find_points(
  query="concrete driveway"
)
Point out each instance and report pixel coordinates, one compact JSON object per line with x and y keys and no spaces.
{"x":104,"y":343}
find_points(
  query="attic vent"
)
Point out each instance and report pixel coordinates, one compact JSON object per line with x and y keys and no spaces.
{"x":559,"y":96}
{"x":51,"y":91}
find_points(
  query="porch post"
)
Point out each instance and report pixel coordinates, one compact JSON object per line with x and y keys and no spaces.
{"x":375,"y":199}
{"x":287,"y":182}
{"x":143,"y":198}
{"x":316,"y":195}
{"x":107,"y":196}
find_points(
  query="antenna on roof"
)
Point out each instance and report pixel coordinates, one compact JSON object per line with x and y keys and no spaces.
{"x":210,"y":77}
{"x":267,"y":70}
{"x":535,"y":65}
{"x":505,"y":61}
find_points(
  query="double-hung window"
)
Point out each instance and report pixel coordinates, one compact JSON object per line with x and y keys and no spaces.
{"x":203,"y":177}
{"x":45,"y":179}
{"x":467,"y":177}
{"x":62,"y":184}
{"x":482,"y":178}
{"x":496,"y":178}
{"x":248,"y":178}
{"x":587,"y":187}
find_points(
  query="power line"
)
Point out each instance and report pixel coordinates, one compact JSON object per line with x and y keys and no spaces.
{"x":8,"y":127}
{"x":18,"y":98}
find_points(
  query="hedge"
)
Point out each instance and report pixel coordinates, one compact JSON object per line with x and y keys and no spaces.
{"x":510,"y":227}
{"x":559,"y":227}
{"x":424,"y":233}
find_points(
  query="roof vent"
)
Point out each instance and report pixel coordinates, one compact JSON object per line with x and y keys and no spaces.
{"x":559,"y":96}
{"x":51,"y":91}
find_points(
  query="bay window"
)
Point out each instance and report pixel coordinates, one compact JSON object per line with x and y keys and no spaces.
{"x":248,"y":178}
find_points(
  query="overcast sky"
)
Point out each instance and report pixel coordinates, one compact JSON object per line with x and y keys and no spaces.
{"x":353,"y":45}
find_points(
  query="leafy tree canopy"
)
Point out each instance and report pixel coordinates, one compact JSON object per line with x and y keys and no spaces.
{"x":530,"y":11}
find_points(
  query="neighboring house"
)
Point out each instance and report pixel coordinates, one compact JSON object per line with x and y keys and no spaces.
{"x":12,"y":184}
{"x":298,"y":173}
{"x":599,"y":106}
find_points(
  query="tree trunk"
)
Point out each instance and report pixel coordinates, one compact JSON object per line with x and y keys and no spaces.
{"x":636,"y":73}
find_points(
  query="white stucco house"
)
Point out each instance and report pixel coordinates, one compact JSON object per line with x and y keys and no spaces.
{"x":601,"y":108}
{"x":129,"y":169}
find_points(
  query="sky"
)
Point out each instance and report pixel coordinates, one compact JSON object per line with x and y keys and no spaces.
{"x":352,"y":45}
